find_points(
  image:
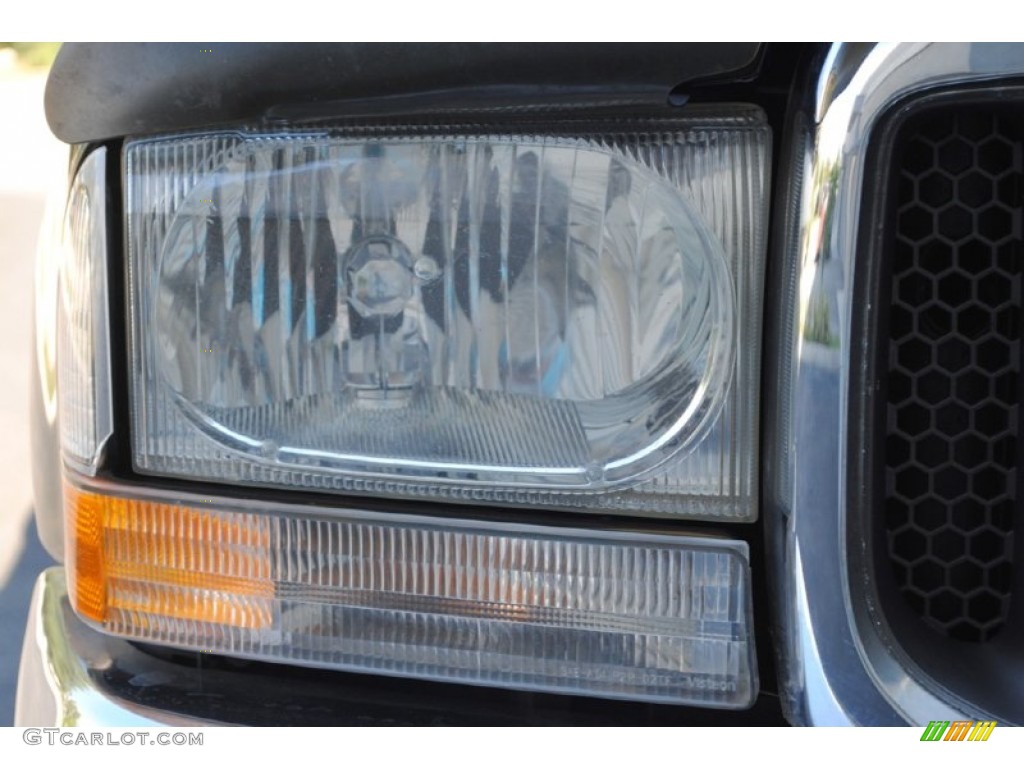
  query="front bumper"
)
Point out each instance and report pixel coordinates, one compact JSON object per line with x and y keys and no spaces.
{"x":65,"y":666}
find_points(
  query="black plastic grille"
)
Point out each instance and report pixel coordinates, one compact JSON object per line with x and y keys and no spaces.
{"x":954,"y":368}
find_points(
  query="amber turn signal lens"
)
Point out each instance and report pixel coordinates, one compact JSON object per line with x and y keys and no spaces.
{"x":611,"y":613}
{"x":130,"y":556}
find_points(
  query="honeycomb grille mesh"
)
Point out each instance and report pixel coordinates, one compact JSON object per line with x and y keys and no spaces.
{"x":954,"y":333}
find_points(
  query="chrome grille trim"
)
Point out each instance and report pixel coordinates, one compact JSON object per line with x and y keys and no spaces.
{"x":838,"y":665}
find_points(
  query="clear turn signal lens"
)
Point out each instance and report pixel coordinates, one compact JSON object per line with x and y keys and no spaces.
{"x":625,"y":615}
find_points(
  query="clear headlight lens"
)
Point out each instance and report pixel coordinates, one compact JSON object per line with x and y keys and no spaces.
{"x":83,"y":346}
{"x":656,"y":618}
{"x":511,"y":319}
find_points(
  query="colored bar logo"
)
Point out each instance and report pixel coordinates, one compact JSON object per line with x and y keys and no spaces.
{"x":958,"y":730}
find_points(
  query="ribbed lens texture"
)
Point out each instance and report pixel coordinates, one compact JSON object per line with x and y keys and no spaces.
{"x":642,"y":617}
{"x":504,"y":319}
{"x":83,"y":374}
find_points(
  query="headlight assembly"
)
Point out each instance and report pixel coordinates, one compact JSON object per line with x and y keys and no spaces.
{"x":513,"y":319}
{"x":505,"y":317}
